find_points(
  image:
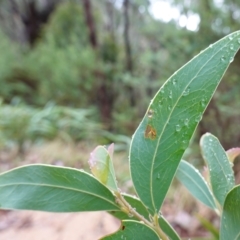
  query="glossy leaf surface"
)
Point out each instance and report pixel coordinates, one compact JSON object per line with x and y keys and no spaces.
{"x":221,"y":173}
{"x":133,"y":230}
{"x":53,"y":189}
{"x":102,"y":167}
{"x":171,"y":119}
{"x":229,"y":228}
{"x":192,"y":179}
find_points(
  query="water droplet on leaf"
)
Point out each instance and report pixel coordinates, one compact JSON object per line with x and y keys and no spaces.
{"x":223,"y":59}
{"x":186,"y":92}
{"x":178,"y":128}
{"x":150,"y":113}
{"x":198,"y":118}
{"x":186,"y":121}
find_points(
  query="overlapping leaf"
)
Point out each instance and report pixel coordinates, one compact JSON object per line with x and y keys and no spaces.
{"x":221,"y":173}
{"x":131,"y":229}
{"x":171,"y":119}
{"x":141,"y":209}
{"x":54,"y":189}
{"x":134,"y":203}
{"x":230,"y":220}
{"x":191,"y":178}
{"x":167,"y":229}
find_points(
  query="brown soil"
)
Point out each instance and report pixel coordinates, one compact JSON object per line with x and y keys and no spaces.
{"x":33,"y":225}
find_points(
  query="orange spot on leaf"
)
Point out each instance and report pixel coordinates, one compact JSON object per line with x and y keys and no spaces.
{"x":150,"y":132}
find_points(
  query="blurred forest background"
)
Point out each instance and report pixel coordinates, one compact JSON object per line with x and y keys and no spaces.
{"x":78,"y":73}
{"x":84,"y":71}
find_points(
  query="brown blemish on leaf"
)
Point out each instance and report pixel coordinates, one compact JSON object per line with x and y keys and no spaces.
{"x":150,"y":132}
{"x":123,"y":227}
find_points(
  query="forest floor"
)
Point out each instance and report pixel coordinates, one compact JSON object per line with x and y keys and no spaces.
{"x":179,"y":208}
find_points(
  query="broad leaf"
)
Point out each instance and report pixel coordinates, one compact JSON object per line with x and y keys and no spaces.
{"x":230,"y":220}
{"x":192,"y":179}
{"x":141,"y":209}
{"x":171,"y":119}
{"x":53,"y":189}
{"x":131,"y":230}
{"x":102,"y":167}
{"x":233,"y":153}
{"x":221,"y":173}
{"x":167,"y":229}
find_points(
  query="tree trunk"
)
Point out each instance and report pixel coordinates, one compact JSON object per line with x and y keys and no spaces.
{"x":128,"y":51}
{"x":90,"y":23}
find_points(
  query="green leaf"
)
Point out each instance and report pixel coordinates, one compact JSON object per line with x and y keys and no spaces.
{"x":171,"y":119}
{"x":233,"y":153}
{"x":141,"y":209}
{"x":132,"y":230}
{"x":53,"y":189}
{"x":191,"y":178}
{"x":230,"y":220}
{"x":102,"y":167}
{"x":135,"y":203}
{"x":167,"y":228}
{"x":221,"y":173}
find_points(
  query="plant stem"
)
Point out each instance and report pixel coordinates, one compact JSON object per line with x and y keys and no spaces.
{"x":126,"y":207}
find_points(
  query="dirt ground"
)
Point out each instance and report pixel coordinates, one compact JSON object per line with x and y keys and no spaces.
{"x":33,"y":225}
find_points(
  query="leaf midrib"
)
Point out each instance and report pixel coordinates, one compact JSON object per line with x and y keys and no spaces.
{"x":61,"y":187}
{"x":173,"y":108}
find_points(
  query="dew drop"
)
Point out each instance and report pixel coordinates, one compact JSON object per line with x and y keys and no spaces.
{"x":231,"y":47}
{"x":170,"y":94}
{"x":230,"y":38}
{"x":231,"y":59}
{"x":169,"y":107}
{"x":186,"y":92}
{"x":203,"y":102}
{"x":238,"y":40}
{"x":162,"y":90}
{"x":178,"y":128}
{"x":160,"y":103}
{"x":210,"y":46}
{"x":174,"y":81}
{"x":158,"y":176}
{"x":198,"y":118}
{"x":186,"y":122}
{"x":184,"y":144}
{"x":223,"y":59}
{"x":150,"y":113}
